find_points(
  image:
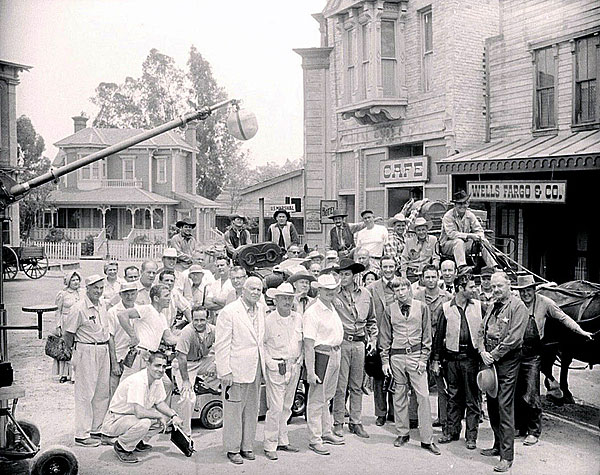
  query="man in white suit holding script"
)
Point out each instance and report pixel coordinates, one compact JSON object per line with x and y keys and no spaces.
{"x":240,"y":363}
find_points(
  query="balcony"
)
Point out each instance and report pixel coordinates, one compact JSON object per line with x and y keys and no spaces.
{"x":120,"y":183}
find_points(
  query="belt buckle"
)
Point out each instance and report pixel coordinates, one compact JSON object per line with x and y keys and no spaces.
{"x":408,"y":350}
{"x":350,"y":337}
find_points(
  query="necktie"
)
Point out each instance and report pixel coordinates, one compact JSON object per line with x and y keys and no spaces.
{"x":405,"y":309}
{"x":304,"y":302}
{"x":341,"y":238}
{"x":281,"y":240}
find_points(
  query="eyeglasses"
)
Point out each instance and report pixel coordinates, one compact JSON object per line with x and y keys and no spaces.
{"x":486,"y":277}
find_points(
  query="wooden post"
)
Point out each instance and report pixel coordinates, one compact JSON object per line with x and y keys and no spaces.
{"x":261,"y":220}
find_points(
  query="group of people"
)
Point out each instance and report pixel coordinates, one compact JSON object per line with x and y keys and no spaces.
{"x":368,"y":307}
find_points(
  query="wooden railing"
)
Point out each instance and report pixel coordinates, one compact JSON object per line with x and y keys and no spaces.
{"x":62,"y":250}
{"x":120,"y":183}
{"x":74,"y":234}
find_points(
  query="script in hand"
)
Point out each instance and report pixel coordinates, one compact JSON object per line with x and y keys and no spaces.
{"x":321,"y":360}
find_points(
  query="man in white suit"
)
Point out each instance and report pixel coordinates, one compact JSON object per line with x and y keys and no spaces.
{"x":240,"y":365}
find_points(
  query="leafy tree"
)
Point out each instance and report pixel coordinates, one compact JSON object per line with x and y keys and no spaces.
{"x":32,"y":163}
{"x":164,"y":92}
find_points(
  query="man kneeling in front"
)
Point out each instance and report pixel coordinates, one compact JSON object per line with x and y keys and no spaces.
{"x":138,"y":410}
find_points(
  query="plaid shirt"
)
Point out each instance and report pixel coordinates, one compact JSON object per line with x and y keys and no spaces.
{"x":394,"y":246}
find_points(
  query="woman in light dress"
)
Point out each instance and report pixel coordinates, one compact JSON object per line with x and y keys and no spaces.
{"x":65,"y":299}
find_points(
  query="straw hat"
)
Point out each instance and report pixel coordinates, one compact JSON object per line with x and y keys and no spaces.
{"x":326,"y":281}
{"x":283,"y":289}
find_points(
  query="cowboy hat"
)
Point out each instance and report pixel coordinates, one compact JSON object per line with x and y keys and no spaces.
{"x":460,"y":196}
{"x":420,"y":222}
{"x":301,"y":274}
{"x":281,"y":210}
{"x":237,"y":215}
{"x":525,"y":281}
{"x":314,"y":255}
{"x":349,"y":264}
{"x":282,"y":289}
{"x":185,"y":222}
{"x":397,"y":218}
{"x":326,"y":281}
{"x":487,"y":380}
{"x":337,"y":213}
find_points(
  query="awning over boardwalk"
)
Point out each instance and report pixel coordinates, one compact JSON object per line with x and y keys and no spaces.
{"x":579,"y":150}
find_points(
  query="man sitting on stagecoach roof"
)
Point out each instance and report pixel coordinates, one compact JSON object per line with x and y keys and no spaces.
{"x":283,"y":232}
{"x":460,"y":230}
{"x":528,"y":405}
{"x":236,"y":234}
{"x":420,"y":250}
{"x":184,"y":242}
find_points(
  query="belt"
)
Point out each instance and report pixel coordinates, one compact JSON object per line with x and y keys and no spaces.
{"x":95,"y":343}
{"x":326,"y":348}
{"x":405,"y":351}
{"x":349,"y":337}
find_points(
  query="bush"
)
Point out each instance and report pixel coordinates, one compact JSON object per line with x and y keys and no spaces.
{"x":56,"y":235}
{"x":140,"y":239}
{"x":87,"y":247}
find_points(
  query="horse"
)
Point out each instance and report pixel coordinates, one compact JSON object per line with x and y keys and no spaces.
{"x":581,"y":301}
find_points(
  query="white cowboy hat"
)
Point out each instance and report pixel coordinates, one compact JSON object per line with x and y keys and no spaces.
{"x":326,"y":281}
{"x":283,"y":289}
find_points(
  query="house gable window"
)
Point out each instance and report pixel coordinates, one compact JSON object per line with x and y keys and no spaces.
{"x":545,"y":84}
{"x":585,"y":87}
{"x":427,"y":49}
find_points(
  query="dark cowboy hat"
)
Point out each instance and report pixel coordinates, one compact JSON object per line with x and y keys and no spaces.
{"x":281,"y":210}
{"x":349,"y":264}
{"x":460,"y":196}
{"x":237,"y":215}
{"x":185,"y":221}
{"x":337,"y":213}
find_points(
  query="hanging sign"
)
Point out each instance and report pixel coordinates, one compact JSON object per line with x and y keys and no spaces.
{"x":518,"y":191}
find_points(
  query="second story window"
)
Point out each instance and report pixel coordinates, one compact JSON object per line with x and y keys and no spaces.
{"x":545,"y":72}
{"x":586,"y":75}
{"x":161,"y":170}
{"x":427,"y":47}
{"x":93,"y":171}
{"x":128,"y":168}
{"x":349,"y":60}
{"x":388,"y":57}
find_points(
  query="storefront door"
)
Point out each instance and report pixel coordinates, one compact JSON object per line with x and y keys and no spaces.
{"x":396,"y":198}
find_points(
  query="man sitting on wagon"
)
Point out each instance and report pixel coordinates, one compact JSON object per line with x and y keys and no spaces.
{"x":461,"y":230}
{"x":419,"y":251}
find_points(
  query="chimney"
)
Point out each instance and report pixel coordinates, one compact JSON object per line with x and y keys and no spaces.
{"x":79,"y":122}
{"x":190,"y":134}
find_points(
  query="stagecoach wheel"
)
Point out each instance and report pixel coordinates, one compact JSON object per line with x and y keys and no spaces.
{"x":212,"y":415}
{"x":10,"y":263}
{"x":36,"y":268}
{"x":55,"y":461}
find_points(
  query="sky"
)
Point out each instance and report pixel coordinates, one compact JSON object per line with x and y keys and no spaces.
{"x":73,"y":45}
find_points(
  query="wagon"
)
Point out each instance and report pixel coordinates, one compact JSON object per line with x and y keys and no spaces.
{"x":30,"y":259}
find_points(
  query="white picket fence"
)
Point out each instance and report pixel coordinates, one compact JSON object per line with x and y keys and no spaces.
{"x":122,"y":250}
{"x":63,"y":250}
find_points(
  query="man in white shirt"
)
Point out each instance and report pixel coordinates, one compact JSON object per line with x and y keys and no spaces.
{"x":217,"y":291}
{"x":373,"y":237}
{"x":239,"y":356}
{"x":138,"y":410}
{"x":147,"y":326}
{"x":149,"y":270}
{"x":283,"y":357}
{"x":128,"y":294}
{"x":323,"y":335}
{"x":179,"y":311}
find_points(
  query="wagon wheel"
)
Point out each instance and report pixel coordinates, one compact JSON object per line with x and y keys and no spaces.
{"x":35,"y":267}
{"x":10,"y":263}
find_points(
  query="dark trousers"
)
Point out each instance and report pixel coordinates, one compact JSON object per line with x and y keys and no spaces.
{"x":528,"y":404}
{"x":384,"y":402}
{"x":501,"y":409}
{"x":463,"y":395}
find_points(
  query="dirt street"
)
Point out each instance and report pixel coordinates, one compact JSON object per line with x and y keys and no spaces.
{"x":563,"y":448}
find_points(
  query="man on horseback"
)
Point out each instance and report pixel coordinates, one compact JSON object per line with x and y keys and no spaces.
{"x":528,"y":406}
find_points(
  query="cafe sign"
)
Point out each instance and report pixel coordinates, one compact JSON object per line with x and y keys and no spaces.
{"x":518,"y":191}
{"x":403,"y":170}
